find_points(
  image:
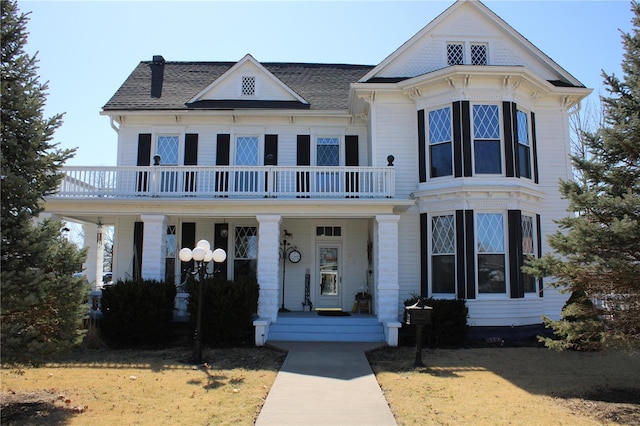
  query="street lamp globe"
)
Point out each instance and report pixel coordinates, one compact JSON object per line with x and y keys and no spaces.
{"x":219,"y":255}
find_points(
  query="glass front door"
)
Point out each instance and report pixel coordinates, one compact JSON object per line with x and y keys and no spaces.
{"x":329,"y":280}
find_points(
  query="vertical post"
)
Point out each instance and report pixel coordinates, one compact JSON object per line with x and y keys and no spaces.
{"x":418,"y":362}
{"x":196,"y":358}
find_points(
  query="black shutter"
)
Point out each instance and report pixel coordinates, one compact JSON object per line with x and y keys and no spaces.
{"x":539,"y":241}
{"x":303,"y":159}
{"x":138,"y":237}
{"x":470,"y":254}
{"x":190,"y":159}
{"x":270,"y":159}
{"x":422,"y":148}
{"x":222,"y":159}
{"x":458,"y":159}
{"x":191,"y":149}
{"x":510,"y":138}
{"x":516,"y":258}
{"x":220,"y":241}
{"x":270,"y":150}
{"x":466,"y":138}
{"x":534,"y":148}
{"x":424,"y":255}
{"x":222,"y":149}
{"x":188,"y":240}
{"x":351,"y":159}
{"x":461,"y":274}
{"x":144,"y":159}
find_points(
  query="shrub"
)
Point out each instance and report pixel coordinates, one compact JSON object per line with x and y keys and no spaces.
{"x":138,"y":312}
{"x":228,"y":310}
{"x":449,"y":322}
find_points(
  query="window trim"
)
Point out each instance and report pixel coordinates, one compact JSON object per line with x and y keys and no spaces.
{"x":314,"y":149}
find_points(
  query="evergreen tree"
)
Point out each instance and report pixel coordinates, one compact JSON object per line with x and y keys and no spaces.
{"x":598,"y":246}
{"x":42,"y":306}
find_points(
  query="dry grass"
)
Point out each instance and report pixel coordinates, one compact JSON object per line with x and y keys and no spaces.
{"x":490,"y":386}
{"x":502,"y":386}
{"x":106,"y":387}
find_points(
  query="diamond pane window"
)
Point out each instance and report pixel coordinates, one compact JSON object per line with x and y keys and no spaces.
{"x":478,"y":54}
{"x":443,"y":235}
{"x":247,"y":151}
{"x":248,"y":86}
{"x":168,"y":149}
{"x":486,"y":139}
{"x":443,"y":254}
{"x":490,"y":233}
{"x":440,"y":146}
{"x":455,"y":53}
{"x":529,"y":282}
{"x":486,"y":122}
{"x":328,"y":152}
{"x":524,"y":150}
{"x":246,"y":242}
{"x":490,"y":251}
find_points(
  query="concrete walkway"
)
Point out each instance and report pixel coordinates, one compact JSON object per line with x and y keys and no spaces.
{"x":325,"y":384}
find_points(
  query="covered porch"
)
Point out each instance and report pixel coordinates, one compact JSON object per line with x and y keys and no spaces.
{"x":345,"y":249}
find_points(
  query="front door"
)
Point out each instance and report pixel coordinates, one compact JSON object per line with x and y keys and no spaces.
{"x":329,"y":286}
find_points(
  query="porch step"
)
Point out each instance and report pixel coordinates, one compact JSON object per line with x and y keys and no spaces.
{"x":313,"y":328}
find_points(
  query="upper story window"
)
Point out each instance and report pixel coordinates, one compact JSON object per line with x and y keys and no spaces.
{"x":459,"y":53}
{"x":328,"y":152}
{"x":524,"y":148}
{"x":248,"y":86}
{"x":168,"y":149}
{"x":486,"y":139}
{"x":440,"y":143}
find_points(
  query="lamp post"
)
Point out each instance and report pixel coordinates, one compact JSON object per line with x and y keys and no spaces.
{"x":202,"y":255}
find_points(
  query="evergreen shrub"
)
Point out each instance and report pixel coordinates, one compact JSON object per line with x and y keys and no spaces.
{"x":138,"y":312}
{"x":228,"y":310}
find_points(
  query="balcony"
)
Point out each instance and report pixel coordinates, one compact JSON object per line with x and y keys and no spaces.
{"x":227,"y":181}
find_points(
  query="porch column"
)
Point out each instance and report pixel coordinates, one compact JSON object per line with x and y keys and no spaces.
{"x":94,"y":242}
{"x":387,"y":286}
{"x":154,"y":246}
{"x":268,"y":256}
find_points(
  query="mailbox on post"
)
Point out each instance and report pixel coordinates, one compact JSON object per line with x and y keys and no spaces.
{"x":418,"y":315}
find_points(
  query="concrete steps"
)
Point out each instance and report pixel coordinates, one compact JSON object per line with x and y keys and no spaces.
{"x":314,"y":328}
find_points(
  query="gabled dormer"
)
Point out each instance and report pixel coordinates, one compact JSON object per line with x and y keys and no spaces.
{"x":247,"y":84}
{"x":467,"y":33}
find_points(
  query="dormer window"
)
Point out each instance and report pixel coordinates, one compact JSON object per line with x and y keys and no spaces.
{"x":460,"y":53}
{"x":478,"y":54}
{"x":248,"y":86}
{"x":455,"y":53}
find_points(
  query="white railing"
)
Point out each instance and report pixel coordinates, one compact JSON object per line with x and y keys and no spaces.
{"x":227,"y":181}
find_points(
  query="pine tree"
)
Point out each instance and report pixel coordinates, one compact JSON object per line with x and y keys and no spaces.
{"x":598,"y":246}
{"x":42,"y":306}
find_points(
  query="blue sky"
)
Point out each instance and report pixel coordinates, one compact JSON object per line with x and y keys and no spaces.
{"x":88,"y":48}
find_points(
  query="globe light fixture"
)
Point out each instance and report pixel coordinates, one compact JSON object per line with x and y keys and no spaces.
{"x":202,"y":255}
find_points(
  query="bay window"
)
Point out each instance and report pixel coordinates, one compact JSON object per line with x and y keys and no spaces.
{"x":490,"y":252}
{"x":440,"y":143}
{"x":486,"y":139}
{"x":443,"y":237}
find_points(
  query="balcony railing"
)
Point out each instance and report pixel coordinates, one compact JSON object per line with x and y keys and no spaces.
{"x":227,"y":181}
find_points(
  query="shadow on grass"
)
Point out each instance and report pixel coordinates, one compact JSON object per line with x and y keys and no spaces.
{"x":34,"y":408}
{"x":607,"y":380}
{"x":535,"y":370}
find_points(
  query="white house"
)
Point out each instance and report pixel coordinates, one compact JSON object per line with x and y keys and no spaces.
{"x":434,"y":172}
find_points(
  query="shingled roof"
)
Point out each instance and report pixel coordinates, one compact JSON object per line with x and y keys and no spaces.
{"x":323,"y":86}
